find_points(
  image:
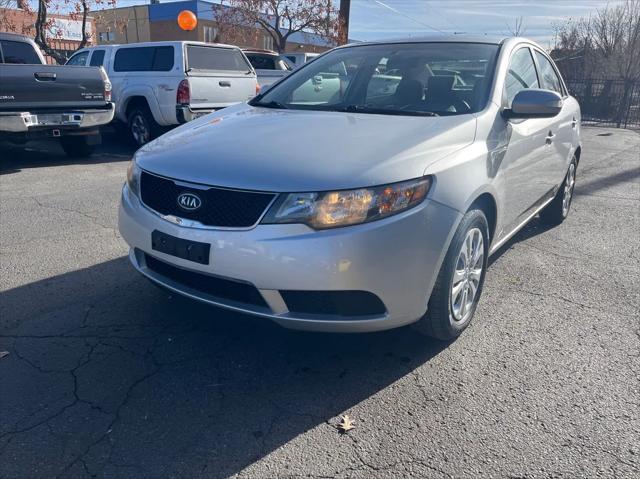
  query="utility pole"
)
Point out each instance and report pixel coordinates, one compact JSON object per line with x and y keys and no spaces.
{"x":343,"y":19}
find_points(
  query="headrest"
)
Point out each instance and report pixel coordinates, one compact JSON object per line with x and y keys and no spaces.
{"x":441,"y":84}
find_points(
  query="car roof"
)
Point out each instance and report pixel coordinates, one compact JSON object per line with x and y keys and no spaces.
{"x":256,"y":51}
{"x":162,"y":43}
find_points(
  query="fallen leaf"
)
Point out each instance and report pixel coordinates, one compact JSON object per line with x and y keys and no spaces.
{"x":3,"y":354}
{"x":346,"y":424}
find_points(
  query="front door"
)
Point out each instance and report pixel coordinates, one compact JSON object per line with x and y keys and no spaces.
{"x":522,"y":176}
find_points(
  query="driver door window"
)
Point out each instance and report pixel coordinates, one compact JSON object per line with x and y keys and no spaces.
{"x":520,"y":76}
{"x":78,"y":60}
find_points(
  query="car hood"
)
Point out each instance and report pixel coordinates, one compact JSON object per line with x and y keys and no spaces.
{"x":278,"y":150}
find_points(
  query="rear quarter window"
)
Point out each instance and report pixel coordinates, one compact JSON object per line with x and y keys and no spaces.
{"x":215,"y":59}
{"x":262,"y":62}
{"x":144,"y":59}
{"x":19,"y":52}
{"x":97,"y":59}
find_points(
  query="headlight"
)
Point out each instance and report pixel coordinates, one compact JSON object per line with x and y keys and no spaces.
{"x":133,"y":177}
{"x":331,"y":209}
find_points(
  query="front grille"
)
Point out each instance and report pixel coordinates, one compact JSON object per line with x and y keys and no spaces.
{"x":347,"y":304}
{"x":224,"y":289}
{"x":219,"y":206}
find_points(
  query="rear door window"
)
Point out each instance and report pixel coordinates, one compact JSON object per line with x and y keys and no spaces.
{"x":548,"y":76}
{"x":97,"y":59}
{"x":19,"y":52}
{"x":521,"y":75}
{"x":144,"y":59}
{"x":215,"y":59}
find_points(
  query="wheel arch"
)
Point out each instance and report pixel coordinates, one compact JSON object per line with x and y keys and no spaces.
{"x":486,"y":203}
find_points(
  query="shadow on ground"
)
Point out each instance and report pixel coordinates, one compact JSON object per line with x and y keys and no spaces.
{"x":168,"y":386}
{"x":34,"y":154}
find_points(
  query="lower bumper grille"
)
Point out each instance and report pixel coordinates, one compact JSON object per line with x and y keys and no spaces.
{"x":334,"y":303}
{"x":225,"y":289}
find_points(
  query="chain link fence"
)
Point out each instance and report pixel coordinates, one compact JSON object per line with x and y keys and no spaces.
{"x":608,"y":102}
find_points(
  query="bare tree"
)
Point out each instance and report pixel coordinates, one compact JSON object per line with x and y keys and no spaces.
{"x":606,"y":44}
{"x":517,"y":29}
{"x":279,"y":19}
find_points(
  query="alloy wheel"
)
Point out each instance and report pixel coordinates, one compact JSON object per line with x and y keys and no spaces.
{"x":467,"y":275}
{"x":140,"y":129}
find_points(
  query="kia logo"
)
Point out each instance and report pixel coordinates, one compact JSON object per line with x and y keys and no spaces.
{"x":189,"y":201}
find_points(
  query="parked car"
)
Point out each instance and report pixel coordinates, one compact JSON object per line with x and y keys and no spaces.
{"x":162,"y":84}
{"x":299,"y":59}
{"x":378,"y":208}
{"x":50,"y":101}
{"x":270,"y":66}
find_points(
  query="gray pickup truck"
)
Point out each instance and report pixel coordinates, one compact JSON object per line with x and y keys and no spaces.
{"x":37,"y":100}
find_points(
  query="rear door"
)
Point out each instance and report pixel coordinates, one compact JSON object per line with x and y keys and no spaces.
{"x":218,"y":77}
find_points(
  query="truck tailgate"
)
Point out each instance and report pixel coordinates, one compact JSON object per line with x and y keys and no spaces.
{"x":27,"y":87}
{"x":217,"y":91}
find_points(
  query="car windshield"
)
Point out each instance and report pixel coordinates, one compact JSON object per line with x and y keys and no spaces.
{"x":396,"y":79}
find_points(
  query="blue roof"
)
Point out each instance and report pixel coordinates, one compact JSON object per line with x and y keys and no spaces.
{"x":205,"y":10}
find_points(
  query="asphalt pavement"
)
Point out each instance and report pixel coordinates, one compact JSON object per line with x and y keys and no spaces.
{"x":109,"y":377}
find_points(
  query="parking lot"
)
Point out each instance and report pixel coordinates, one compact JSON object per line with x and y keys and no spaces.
{"x":108,"y":376}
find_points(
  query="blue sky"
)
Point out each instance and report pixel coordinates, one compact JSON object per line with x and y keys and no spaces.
{"x":374,"y":19}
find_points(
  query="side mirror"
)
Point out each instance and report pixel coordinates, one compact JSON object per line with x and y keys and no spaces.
{"x":534,"y":103}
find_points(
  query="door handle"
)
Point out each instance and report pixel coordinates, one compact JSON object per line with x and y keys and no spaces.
{"x":574,"y":122}
{"x":549,"y":139}
{"x":224,"y":83}
{"x":44,"y":76}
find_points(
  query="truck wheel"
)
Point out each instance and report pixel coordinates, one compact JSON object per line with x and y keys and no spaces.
{"x":77,"y":146}
{"x":142,"y":127}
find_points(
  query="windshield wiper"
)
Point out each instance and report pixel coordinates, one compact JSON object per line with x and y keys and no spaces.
{"x":271,"y":104}
{"x":384,"y":111}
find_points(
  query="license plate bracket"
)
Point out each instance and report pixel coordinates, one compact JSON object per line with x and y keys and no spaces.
{"x":180,"y":248}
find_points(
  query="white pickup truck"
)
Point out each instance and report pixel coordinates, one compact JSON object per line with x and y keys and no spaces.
{"x":160,"y":84}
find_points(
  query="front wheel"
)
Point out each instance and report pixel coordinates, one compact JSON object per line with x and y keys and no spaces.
{"x":458,"y":287}
{"x":558,"y":210}
{"x":77,"y":146}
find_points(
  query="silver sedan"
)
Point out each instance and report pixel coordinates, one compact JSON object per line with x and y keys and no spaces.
{"x":363,"y":192}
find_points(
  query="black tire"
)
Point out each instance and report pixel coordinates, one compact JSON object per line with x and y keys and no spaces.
{"x":141,"y":126}
{"x":439,"y":321}
{"x":555,"y":212}
{"x":77,"y":146}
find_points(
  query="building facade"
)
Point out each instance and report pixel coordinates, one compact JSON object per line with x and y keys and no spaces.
{"x":65,"y":32}
{"x":158,"y":22}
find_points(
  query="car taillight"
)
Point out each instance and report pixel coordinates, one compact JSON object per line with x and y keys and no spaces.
{"x":257,"y":88}
{"x":183,"y":96}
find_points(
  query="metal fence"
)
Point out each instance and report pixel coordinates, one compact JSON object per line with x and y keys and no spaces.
{"x":608,"y":102}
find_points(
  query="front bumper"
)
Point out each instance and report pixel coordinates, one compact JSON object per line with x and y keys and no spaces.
{"x":397,"y":259}
{"x":25,"y":121}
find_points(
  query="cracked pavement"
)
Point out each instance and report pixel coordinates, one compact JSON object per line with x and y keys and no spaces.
{"x":110,"y":377}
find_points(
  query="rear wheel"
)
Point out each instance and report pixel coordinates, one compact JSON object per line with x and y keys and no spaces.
{"x":458,"y":287}
{"x":557,"y":211}
{"x":77,"y":146}
{"x":142,"y":127}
